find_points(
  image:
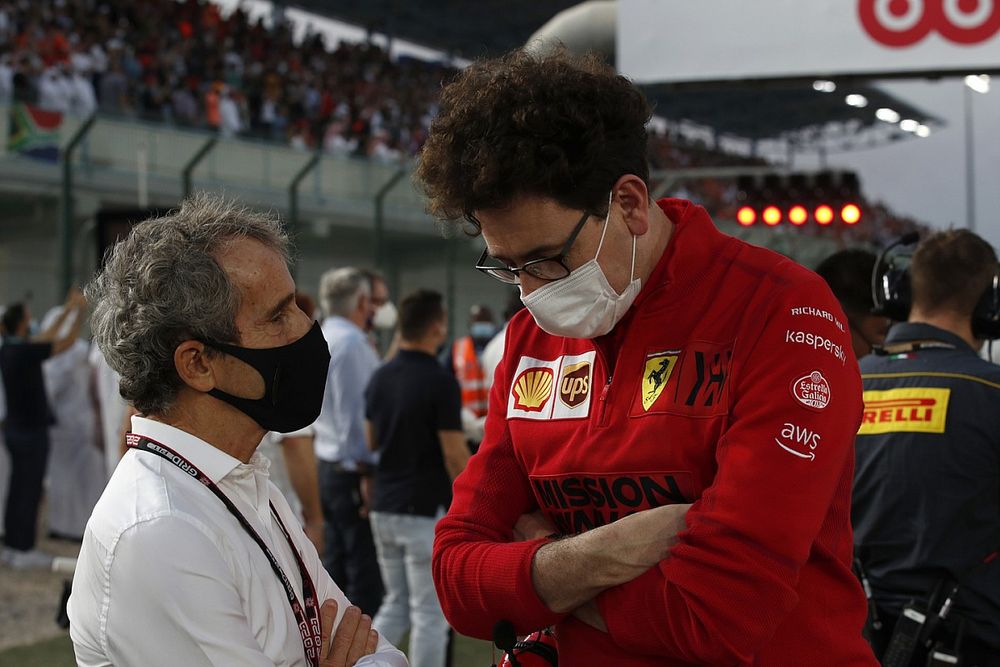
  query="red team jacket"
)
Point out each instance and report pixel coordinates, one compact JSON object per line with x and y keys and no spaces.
{"x":731,"y":384}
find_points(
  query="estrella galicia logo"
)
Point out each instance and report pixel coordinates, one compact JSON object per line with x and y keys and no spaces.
{"x":812,"y":391}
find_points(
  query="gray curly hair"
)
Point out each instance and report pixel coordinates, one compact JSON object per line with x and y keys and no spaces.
{"x":162,"y":285}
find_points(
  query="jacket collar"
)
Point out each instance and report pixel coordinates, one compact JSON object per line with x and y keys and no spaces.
{"x":904,"y":332}
{"x":694,"y":244}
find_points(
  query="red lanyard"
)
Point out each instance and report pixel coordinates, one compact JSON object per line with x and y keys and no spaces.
{"x":307,"y":618}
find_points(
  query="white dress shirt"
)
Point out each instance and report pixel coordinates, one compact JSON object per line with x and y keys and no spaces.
{"x":167,"y":576}
{"x":340,"y":428}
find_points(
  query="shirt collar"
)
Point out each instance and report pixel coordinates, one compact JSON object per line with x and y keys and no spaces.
{"x":343,"y":323}
{"x":903,"y":332}
{"x":211,"y":460}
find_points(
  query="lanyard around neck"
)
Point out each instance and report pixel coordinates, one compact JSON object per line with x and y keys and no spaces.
{"x":306,"y":613}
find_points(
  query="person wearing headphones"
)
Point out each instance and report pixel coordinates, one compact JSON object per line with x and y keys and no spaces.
{"x":848,"y":273}
{"x":926,"y":505}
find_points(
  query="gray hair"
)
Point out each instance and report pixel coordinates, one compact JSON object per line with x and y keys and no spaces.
{"x":341,"y":289}
{"x":162,"y":285}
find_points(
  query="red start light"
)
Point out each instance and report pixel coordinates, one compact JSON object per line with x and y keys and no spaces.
{"x":850,"y":214}
{"x":746,"y":216}
{"x":797,"y":215}
{"x":771,"y":215}
{"x":823,"y":215}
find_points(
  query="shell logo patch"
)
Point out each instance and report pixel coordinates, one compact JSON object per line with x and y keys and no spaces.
{"x":537,"y":382}
{"x":533,"y":388}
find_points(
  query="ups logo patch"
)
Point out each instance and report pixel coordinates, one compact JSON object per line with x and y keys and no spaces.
{"x":574,"y":387}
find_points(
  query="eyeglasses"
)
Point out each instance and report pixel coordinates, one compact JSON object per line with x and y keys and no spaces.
{"x":544,"y":268}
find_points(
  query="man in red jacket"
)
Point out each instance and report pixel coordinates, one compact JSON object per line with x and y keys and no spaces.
{"x":666,"y":471}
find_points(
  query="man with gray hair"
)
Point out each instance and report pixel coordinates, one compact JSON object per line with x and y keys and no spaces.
{"x":196,"y":312}
{"x":341,"y":448}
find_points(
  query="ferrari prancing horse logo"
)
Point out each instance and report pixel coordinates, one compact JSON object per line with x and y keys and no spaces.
{"x":656,"y":374}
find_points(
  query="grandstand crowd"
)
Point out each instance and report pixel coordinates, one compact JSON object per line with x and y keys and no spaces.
{"x":186,"y":63}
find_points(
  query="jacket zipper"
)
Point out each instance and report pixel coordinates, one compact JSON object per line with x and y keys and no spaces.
{"x":602,"y":402}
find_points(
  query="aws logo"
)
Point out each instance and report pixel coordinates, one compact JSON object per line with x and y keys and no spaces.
{"x":538,"y":383}
{"x":798,"y":441}
{"x":910,"y":410}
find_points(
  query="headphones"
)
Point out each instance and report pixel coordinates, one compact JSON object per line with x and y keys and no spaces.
{"x":892,"y":294}
{"x":538,"y":649}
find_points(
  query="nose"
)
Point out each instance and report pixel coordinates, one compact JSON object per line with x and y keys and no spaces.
{"x":303,"y":323}
{"x":529,"y":283}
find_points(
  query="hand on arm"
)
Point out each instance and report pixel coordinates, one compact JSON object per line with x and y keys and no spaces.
{"x":570,"y":572}
{"x":346,"y":642}
{"x":300,"y":461}
{"x":74,"y":308}
{"x":455,"y":452}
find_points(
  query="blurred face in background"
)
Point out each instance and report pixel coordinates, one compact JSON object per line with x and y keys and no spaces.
{"x":867,"y":331}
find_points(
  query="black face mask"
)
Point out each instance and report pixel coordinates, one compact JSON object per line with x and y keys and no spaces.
{"x":294,"y":381}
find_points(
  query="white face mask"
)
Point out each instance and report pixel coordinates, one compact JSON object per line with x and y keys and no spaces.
{"x":583,"y":304}
{"x":386,"y":316}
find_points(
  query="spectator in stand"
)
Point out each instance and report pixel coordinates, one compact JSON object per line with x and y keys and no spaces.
{"x":114,"y":89}
{"x":230,"y":122}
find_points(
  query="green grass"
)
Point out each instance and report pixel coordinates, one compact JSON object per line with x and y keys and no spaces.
{"x":58,"y":652}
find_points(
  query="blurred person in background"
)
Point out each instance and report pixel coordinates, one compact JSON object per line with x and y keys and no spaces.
{"x":381,"y":326}
{"x":76,"y":472}
{"x":111,"y":407}
{"x":4,"y":457}
{"x":413,"y":420}
{"x":493,"y":352}
{"x":192,"y":556}
{"x":665,"y":475}
{"x":849,"y":275}
{"x":29,"y":416}
{"x":926,"y":509}
{"x":345,"y":462}
{"x":465,"y":360}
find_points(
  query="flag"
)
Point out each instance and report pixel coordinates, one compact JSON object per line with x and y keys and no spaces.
{"x":34,"y":132}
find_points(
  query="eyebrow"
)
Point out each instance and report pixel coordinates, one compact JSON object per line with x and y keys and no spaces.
{"x":274,"y":312}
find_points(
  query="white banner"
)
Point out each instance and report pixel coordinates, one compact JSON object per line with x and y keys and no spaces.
{"x":662,"y":41}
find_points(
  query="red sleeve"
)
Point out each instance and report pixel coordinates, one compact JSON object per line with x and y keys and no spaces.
{"x":480,"y":575}
{"x":732,"y":577}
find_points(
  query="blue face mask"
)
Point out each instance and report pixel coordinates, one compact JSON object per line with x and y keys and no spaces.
{"x":482,"y":330}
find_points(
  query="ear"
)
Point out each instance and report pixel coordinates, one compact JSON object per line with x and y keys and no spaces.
{"x":632,"y":197}
{"x":192,"y":365}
